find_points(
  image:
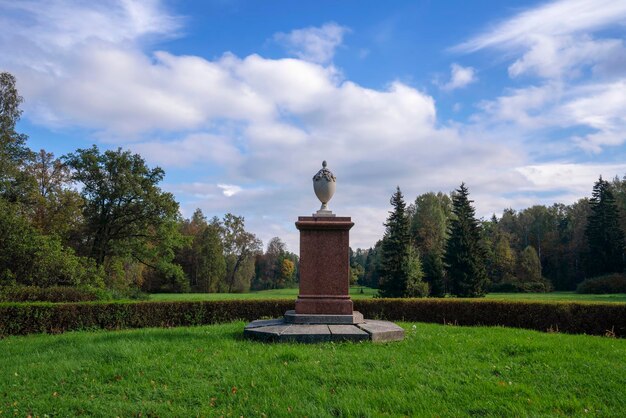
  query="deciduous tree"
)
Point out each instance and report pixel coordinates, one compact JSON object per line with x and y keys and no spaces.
{"x":126,"y":213}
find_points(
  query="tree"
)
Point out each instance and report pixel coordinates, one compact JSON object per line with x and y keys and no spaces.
{"x":210,"y":266}
{"x":126,"y":214}
{"x":371,"y":277}
{"x":29,"y":258}
{"x":287,"y":271}
{"x":397,"y":264}
{"x":429,"y":224}
{"x":240,"y":248}
{"x":500,"y":257}
{"x":529,"y":268}
{"x":15,"y":184}
{"x":202,"y":259}
{"x":356,"y":273}
{"x":415,"y":286}
{"x":604,"y":236}
{"x":465,"y":256}
{"x":55,"y":207}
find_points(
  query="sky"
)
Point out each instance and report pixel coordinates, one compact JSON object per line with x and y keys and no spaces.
{"x":240,"y":101}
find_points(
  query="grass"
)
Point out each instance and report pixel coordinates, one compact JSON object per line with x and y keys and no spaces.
{"x":355,"y":293}
{"x":437,"y":370}
{"x":560,"y":297}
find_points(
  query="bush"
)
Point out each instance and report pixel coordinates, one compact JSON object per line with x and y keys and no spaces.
{"x":612,"y":283}
{"x":51,"y":294}
{"x":31,"y":259}
{"x":578,"y":318}
{"x":519,"y":287}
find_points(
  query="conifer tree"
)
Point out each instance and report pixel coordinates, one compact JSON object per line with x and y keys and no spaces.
{"x":465,"y":257}
{"x":395,"y":262}
{"x":604,"y":236}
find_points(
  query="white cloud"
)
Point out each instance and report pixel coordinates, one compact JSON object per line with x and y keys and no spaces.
{"x":197,"y":148}
{"x":554,"y":39}
{"x":67,"y":23}
{"x":257,"y":129}
{"x":567,"y":45}
{"x":459,"y":77}
{"x":229,"y":190}
{"x":564,"y":56}
{"x":557,"y":18}
{"x":572,"y":179}
{"x":315,"y":44}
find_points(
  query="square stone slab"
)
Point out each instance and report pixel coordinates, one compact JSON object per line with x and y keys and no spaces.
{"x":382,"y":331}
{"x":306,"y":333}
{"x":347,"y":333}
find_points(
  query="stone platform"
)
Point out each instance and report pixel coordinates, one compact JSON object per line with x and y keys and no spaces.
{"x":281,"y":330}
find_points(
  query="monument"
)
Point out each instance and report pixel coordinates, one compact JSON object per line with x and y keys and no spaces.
{"x":323,"y":310}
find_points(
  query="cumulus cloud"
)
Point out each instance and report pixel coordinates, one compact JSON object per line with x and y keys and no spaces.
{"x":315,"y":44}
{"x":459,"y":77}
{"x":573,"y":180}
{"x":246,"y":134}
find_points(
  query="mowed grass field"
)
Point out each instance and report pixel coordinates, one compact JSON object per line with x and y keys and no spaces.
{"x":438,"y":370}
{"x":355,"y":293}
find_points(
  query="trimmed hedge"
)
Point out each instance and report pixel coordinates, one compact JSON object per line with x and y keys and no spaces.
{"x":49,"y":294}
{"x":570,"y":317}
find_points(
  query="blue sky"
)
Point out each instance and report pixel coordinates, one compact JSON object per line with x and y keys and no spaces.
{"x":240,"y":101}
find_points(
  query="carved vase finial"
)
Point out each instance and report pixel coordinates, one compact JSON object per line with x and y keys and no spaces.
{"x":324,"y":184}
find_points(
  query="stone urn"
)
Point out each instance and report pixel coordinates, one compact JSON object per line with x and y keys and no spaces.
{"x":324,"y":184}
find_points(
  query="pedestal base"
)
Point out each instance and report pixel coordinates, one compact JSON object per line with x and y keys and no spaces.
{"x":279,"y":330}
{"x":320,"y":305}
{"x":292,"y":317}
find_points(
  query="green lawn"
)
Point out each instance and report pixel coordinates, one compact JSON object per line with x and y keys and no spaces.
{"x":437,"y":370}
{"x":355,"y":292}
{"x":559,"y":296}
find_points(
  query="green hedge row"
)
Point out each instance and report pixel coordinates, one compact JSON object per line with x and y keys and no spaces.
{"x":48,"y":294}
{"x":569,"y":317}
{"x":582,"y":318}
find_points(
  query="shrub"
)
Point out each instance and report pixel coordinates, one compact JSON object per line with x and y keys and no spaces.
{"x":51,"y":294}
{"x":31,"y":259}
{"x":612,"y":283}
{"x":587,"y":318}
{"x":520,"y":287}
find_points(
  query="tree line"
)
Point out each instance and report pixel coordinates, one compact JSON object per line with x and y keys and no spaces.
{"x":99,"y":220}
{"x":436,"y":246}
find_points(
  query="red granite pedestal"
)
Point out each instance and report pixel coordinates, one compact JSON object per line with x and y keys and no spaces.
{"x":324,"y":266}
{"x":324,"y":311}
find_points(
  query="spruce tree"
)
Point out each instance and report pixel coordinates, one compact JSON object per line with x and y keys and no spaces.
{"x":465,"y":257}
{"x":604,"y":236}
{"x":394,"y":263}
